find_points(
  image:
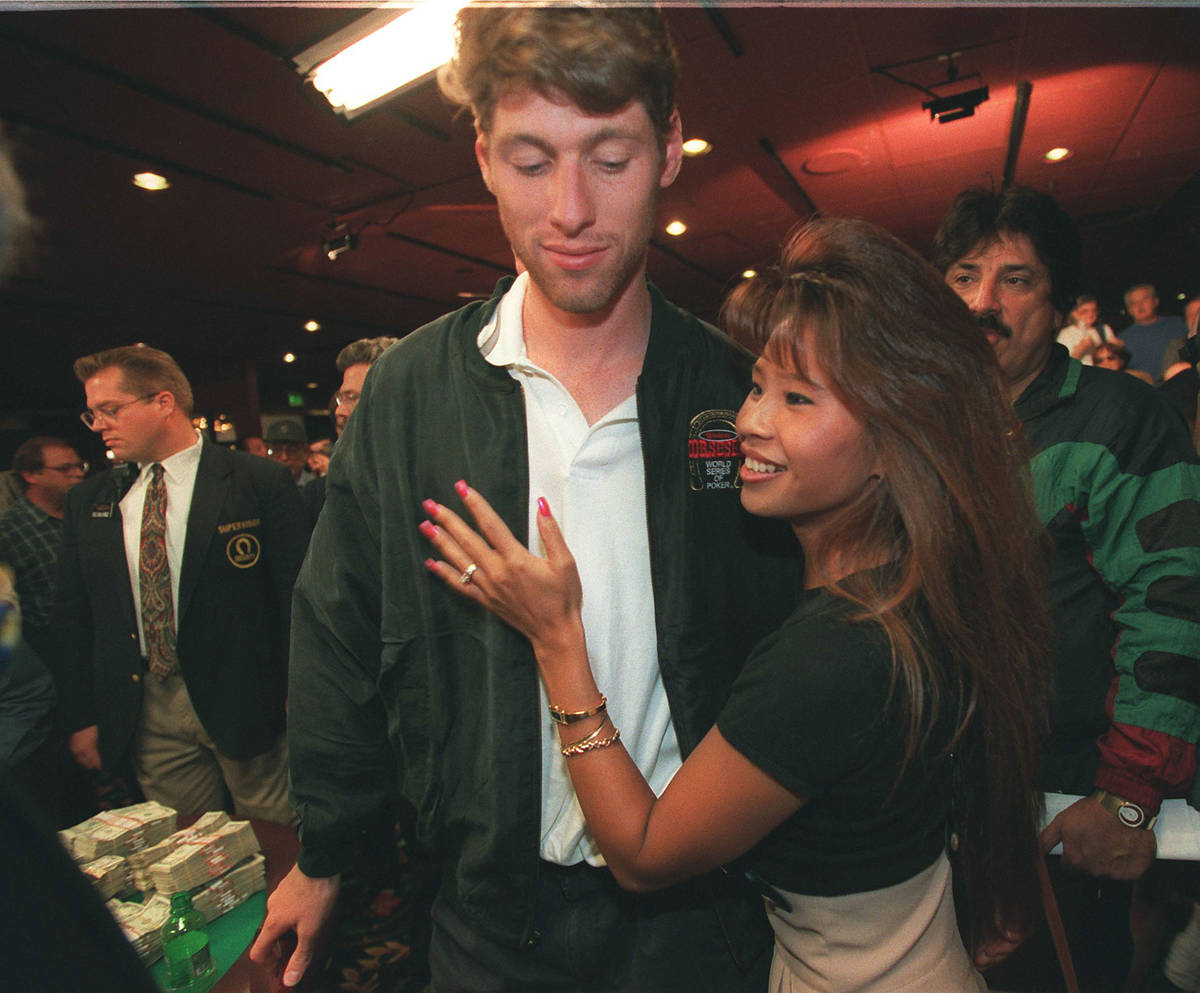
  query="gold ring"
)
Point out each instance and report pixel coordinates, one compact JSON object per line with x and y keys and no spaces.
{"x":468,"y":574}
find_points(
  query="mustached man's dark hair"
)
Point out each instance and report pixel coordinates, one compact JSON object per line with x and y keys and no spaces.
{"x":978,"y":217}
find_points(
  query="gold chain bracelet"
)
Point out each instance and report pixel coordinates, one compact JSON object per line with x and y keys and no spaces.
{"x":591,"y":743}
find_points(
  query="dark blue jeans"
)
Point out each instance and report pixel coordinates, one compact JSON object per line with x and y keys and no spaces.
{"x":593,"y":937}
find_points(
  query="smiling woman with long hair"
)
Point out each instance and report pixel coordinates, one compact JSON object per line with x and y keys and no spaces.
{"x":899,"y":710}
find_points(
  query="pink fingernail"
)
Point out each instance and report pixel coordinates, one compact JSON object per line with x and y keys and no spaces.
{"x":431,"y":507}
{"x":543,"y":507}
{"x":461,"y":488}
{"x":431,"y":565}
{"x":428,"y":529}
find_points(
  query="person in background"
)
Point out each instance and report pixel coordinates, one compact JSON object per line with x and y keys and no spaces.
{"x":171,"y":624}
{"x":16,"y":231}
{"x":1116,"y":359}
{"x":46,"y":945}
{"x":318,"y":457}
{"x":1149,"y":336}
{"x":287,"y":444}
{"x":885,"y":685}
{"x":33,"y":744}
{"x":353,"y":361}
{"x":27,"y":694}
{"x":1181,"y":381}
{"x":1177,"y":359}
{"x":1116,"y":482}
{"x":580,"y":382}
{"x":31,"y":530}
{"x":254,"y":446}
{"x":1085,"y":333}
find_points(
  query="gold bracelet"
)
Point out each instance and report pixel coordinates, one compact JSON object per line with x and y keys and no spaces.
{"x":591,"y":743}
{"x":594,"y":733}
{"x":560,"y":716}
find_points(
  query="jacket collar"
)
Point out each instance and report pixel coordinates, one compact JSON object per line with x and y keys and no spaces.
{"x":667,"y":335}
{"x":1056,"y":383}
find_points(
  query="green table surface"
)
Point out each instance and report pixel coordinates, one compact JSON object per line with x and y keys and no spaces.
{"x":228,"y":936}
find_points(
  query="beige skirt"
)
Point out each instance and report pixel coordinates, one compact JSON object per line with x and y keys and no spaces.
{"x":901,"y":939}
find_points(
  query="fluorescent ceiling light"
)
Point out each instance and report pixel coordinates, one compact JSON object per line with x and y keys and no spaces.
{"x":378,"y":55}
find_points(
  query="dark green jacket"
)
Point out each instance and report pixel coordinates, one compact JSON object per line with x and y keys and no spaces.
{"x":398,"y":684}
{"x":1117,"y":483}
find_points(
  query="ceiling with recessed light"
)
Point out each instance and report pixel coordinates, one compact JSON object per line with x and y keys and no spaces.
{"x":806,"y":109}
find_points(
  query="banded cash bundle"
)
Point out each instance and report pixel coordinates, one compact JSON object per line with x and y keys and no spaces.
{"x":140,"y":862}
{"x":119,"y":832}
{"x":204,"y":857}
{"x":142,"y":924}
{"x":109,"y":874}
{"x":232,"y":889}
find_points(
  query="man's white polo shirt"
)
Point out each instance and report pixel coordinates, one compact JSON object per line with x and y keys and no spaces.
{"x":594,"y":480}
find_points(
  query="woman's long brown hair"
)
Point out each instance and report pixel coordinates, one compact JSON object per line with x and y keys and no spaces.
{"x":953,"y":512}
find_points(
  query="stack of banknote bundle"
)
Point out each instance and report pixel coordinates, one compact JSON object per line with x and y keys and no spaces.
{"x":119,"y":832}
{"x":140,"y":862}
{"x":204,"y":857}
{"x":232,"y":889}
{"x":109,"y":874}
{"x":142,"y":924}
{"x":218,"y":860}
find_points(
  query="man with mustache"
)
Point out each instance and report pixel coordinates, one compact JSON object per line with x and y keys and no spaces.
{"x":1116,"y":483}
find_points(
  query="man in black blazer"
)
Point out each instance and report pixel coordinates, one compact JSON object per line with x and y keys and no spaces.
{"x":175,"y":582}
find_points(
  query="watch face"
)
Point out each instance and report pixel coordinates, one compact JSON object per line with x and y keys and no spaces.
{"x":1131,"y":815}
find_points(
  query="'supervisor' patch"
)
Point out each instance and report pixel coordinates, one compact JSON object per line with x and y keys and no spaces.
{"x":713,"y":453}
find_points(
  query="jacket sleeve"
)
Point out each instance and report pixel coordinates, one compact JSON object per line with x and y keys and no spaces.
{"x":343,"y":775}
{"x":69,"y":641}
{"x":26,"y":702}
{"x":286,"y":532}
{"x":1143,"y":528}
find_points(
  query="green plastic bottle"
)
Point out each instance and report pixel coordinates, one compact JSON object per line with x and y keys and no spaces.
{"x":188,"y":959}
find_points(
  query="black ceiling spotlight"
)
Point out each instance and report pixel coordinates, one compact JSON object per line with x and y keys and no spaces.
{"x":337,"y":246}
{"x":954,"y":107}
{"x":948,"y":107}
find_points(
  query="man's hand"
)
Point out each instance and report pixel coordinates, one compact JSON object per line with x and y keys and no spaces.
{"x":1096,"y":842}
{"x":300,"y":903}
{"x":84,"y":745}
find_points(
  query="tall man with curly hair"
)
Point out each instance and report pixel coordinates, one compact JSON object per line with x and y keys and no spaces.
{"x":577,"y":382}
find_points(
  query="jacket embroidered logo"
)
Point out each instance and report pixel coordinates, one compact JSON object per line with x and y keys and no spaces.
{"x":713,"y":453}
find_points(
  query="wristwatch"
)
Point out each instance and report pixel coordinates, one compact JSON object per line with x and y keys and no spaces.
{"x":1132,"y":815}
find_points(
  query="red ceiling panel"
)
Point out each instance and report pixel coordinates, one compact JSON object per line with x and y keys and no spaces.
{"x":90,"y":94}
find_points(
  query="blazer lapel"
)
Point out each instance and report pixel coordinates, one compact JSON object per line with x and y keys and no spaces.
{"x":212,"y":483}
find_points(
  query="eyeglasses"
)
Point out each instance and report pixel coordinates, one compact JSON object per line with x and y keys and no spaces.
{"x":109,"y":414}
{"x":69,"y":467}
{"x":343,"y":397}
